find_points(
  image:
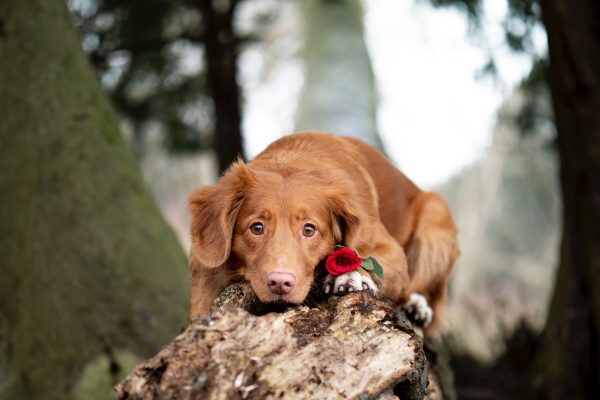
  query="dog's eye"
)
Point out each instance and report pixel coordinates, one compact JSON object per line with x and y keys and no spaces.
{"x":309,"y":230}
{"x":256,"y":228}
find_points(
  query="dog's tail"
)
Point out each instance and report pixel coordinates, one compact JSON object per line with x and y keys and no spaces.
{"x":431,"y":250}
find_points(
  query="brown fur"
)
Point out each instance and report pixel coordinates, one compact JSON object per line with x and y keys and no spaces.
{"x":349,"y":191}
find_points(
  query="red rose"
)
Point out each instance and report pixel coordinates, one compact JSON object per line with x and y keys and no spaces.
{"x":342,"y":261}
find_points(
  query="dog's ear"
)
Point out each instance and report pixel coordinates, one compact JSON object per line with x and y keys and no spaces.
{"x":345,"y":218}
{"x":214,"y":211}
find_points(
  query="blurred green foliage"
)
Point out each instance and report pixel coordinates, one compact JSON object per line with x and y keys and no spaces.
{"x":149,"y":58}
{"x":471,"y":7}
{"x":522,"y":17}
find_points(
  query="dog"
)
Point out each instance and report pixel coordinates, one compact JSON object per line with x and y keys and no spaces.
{"x":275,"y":220}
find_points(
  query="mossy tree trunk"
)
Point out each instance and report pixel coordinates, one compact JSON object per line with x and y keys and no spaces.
{"x":570,"y":351}
{"x":91,"y":278}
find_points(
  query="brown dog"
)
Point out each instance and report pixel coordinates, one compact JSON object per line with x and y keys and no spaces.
{"x":274,"y":220}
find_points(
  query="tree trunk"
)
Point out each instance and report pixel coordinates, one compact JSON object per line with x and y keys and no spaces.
{"x":570,"y":352}
{"x":91,"y":278}
{"x":351,"y":347}
{"x":339,"y":92}
{"x":221,"y":60}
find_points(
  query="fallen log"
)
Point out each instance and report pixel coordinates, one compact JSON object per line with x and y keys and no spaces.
{"x":353,"y":347}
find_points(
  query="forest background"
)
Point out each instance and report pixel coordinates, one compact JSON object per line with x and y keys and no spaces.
{"x":495,"y":104}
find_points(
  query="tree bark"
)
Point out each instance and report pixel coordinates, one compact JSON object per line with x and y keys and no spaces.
{"x":570,"y":354}
{"x":350,"y":347}
{"x":91,"y":278}
{"x":221,"y":60}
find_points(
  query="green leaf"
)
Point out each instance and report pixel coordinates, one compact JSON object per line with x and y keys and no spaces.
{"x":371,"y":264}
{"x":367,"y":264}
{"x":378,"y":269}
{"x":338,"y":246}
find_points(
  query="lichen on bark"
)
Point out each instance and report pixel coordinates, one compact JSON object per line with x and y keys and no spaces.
{"x":353,"y":347}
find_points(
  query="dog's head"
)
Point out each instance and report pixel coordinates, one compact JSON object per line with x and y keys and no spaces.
{"x":272,"y":228}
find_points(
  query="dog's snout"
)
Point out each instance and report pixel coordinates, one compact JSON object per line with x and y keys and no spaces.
{"x":281,"y":282}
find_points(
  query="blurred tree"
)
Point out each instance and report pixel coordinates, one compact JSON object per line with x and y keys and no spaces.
{"x":570,"y":352}
{"x":92,"y":278}
{"x":221,"y":57}
{"x":170,"y":64}
{"x":568,"y":359}
{"x":501,"y":203}
{"x":339,"y":94}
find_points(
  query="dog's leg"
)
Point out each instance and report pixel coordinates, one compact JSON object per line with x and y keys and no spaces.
{"x":373,"y":240}
{"x":350,"y":282}
{"x":418,"y":309}
{"x":431,"y":250}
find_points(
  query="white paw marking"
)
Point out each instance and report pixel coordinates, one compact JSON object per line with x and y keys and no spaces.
{"x":349,"y":282}
{"x":418,"y":309}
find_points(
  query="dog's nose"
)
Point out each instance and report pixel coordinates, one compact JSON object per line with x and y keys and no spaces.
{"x":281,"y":282}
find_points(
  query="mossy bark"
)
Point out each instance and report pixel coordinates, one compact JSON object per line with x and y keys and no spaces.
{"x":89,"y":270}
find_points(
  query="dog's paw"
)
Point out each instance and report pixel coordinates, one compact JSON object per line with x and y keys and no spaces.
{"x":418,"y":310}
{"x":349,"y":282}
